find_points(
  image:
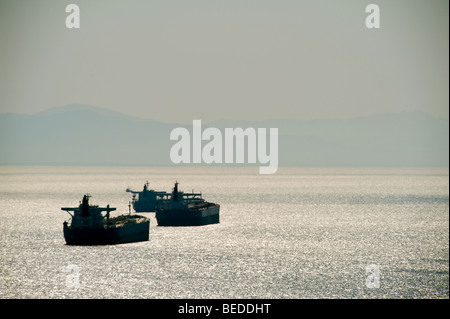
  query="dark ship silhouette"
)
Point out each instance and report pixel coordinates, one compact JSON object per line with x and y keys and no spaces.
{"x":88,"y":226}
{"x":145,"y":201}
{"x":185,"y":209}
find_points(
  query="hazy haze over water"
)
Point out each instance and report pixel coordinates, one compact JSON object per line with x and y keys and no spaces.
{"x":175,"y":61}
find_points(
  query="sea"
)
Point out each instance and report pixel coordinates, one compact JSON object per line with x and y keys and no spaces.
{"x":302,"y":233}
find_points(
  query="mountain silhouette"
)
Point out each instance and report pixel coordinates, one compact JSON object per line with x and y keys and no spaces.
{"x":88,"y":135}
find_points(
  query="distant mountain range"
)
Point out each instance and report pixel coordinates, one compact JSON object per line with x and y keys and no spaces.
{"x":87,"y":135}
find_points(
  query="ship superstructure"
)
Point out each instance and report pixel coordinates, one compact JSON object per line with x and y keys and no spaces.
{"x":145,"y":201}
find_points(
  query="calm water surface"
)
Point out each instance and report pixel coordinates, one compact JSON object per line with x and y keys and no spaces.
{"x":301,"y":233}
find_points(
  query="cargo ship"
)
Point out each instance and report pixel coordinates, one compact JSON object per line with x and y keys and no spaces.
{"x":88,"y":226}
{"x":185,"y":209}
{"x":145,"y":201}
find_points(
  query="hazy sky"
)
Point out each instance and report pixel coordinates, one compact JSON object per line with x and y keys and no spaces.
{"x":237,"y":59}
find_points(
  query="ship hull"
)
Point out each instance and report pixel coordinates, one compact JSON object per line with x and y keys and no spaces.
{"x":195,"y":217}
{"x":107,"y":236}
{"x":144,"y":206}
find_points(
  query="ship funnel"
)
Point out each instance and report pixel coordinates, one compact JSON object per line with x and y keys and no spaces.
{"x":175,"y":192}
{"x":85,"y":206}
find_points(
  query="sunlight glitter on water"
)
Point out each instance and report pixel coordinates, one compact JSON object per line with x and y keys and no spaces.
{"x":302,"y":233}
